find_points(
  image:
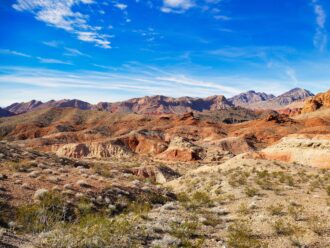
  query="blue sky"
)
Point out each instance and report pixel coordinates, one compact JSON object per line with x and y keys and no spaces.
{"x":111,"y":50}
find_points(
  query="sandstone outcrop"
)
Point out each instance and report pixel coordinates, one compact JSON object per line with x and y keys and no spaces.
{"x":94,"y":150}
{"x":321,"y":100}
{"x":182,"y":149}
{"x":303,"y":149}
{"x":158,"y":174}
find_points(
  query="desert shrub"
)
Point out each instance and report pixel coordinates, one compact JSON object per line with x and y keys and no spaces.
{"x":93,"y":231}
{"x":243,"y":209}
{"x":183,"y":197}
{"x":283,"y":227}
{"x":265,"y":184}
{"x":139,"y":208}
{"x":201,"y":198}
{"x":317,"y":225}
{"x":20,"y":166}
{"x":187,"y":232}
{"x":295,"y":212}
{"x":251,"y":191}
{"x":236,"y":180}
{"x":44,"y":215}
{"x":211,"y":220}
{"x":101,"y":170}
{"x":240,"y":235}
{"x":276,"y":209}
{"x":84,"y":207}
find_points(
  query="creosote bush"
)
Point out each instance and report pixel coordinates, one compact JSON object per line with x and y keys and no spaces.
{"x":240,"y":235}
{"x":92,"y":231}
{"x":187,"y":232}
{"x":45,"y":214}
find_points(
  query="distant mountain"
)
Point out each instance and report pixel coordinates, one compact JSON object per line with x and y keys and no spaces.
{"x":162,"y":104}
{"x":5,"y":113}
{"x":19,"y":108}
{"x":23,"y":107}
{"x":249,"y":97}
{"x":281,"y":101}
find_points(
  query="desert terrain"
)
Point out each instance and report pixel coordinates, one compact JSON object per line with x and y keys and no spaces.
{"x":244,"y":172}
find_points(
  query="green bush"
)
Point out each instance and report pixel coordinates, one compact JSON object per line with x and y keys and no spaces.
{"x":42,"y":216}
{"x":92,"y":231}
{"x":187,"y":232}
{"x":240,"y":235}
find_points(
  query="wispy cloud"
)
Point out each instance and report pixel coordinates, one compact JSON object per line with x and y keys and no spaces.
{"x":199,"y":83}
{"x":60,"y":14}
{"x":138,"y":82}
{"x":15,"y":53}
{"x":53,"y":61}
{"x":251,"y":52}
{"x":74,"y":52}
{"x":131,"y":80}
{"x":52,"y":43}
{"x":292,"y":74}
{"x":321,"y":36}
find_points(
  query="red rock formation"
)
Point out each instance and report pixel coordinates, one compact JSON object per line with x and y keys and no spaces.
{"x":321,"y":100}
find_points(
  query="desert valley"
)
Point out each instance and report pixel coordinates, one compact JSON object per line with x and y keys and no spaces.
{"x":243,"y":172}
{"x":164,"y":124}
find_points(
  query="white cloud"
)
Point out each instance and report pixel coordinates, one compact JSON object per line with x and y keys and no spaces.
{"x":94,"y":37}
{"x":12,"y":52}
{"x":120,"y":6}
{"x":320,"y":39}
{"x":177,"y":6}
{"x":60,"y":14}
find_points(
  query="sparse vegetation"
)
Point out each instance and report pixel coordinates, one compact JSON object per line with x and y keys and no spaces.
{"x":240,"y":235}
{"x":276,"y":209}
{"x":187,"y":232}
{"x":284,"y":227}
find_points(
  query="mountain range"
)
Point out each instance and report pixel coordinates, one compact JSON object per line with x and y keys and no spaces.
{"x":162,"y":104}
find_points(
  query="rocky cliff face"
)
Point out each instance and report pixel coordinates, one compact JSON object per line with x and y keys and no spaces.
{"x":93,"y":150}
{"x":321,"y":100}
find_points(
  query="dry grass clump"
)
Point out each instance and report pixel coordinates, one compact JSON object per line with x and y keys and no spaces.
{"x":276,"y":209}
{"x":317,"y":225}
{"x":187,"y":232}
{"x":284,"y":227}
{"x":43,"y":215}
{"x":92,"y":231}
{"x":251,"y":191}
{"x":240,"y":235}
{"x":196,"y":200}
